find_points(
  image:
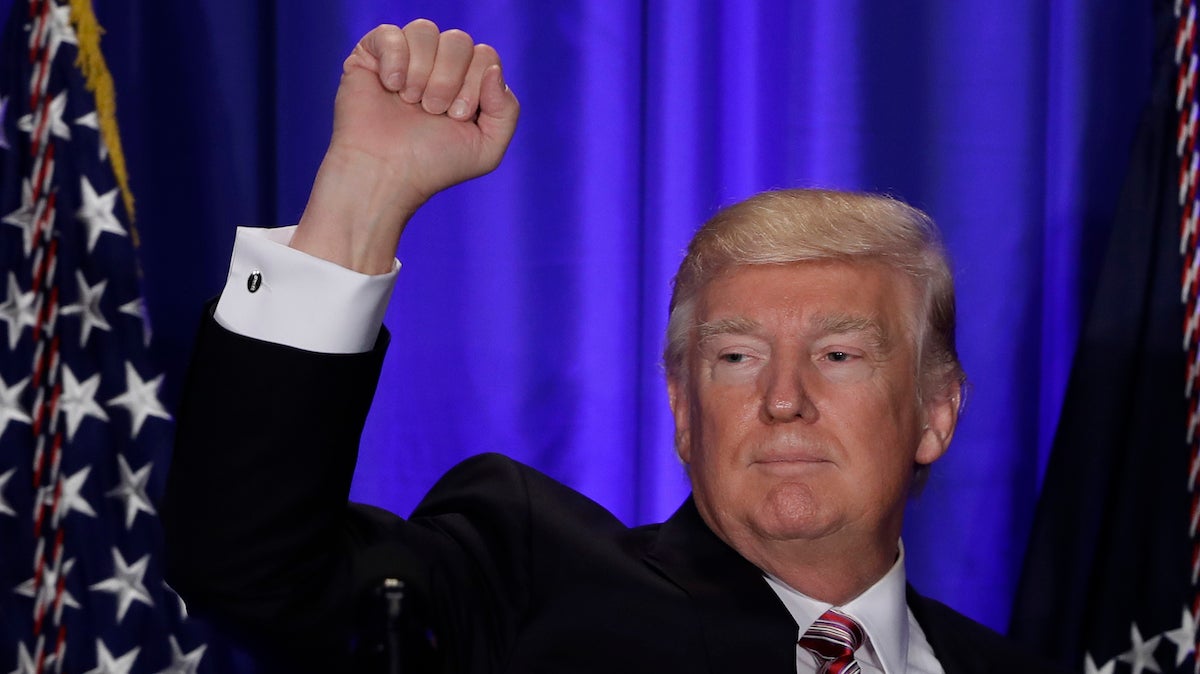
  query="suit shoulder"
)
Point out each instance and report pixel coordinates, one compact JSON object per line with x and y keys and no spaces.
{"x":494,"y":480}
{"x":965,"y":646}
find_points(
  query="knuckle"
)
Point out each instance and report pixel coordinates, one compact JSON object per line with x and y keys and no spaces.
{"x":421,"y":26}
{"x":486,"y":53}
{"x":441,"y":86}
{"x":457,"y":37}
{"x":390,"y":40}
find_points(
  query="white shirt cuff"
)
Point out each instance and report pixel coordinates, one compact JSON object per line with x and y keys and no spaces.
{"x":278,"y":294}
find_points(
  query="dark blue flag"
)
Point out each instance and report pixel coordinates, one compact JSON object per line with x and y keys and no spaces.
{"x":84,"y":436}
{"x":1110,"y":577}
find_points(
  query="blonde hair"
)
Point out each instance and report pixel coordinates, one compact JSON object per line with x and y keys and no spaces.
{"x":787,"y":226}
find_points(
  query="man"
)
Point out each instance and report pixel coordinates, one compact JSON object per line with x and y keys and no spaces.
{"x":811,"y":371}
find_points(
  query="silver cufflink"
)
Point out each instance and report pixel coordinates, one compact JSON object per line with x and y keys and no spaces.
{"x":254,"y":282}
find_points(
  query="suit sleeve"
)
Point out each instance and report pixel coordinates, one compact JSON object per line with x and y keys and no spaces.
{"x":259,"y":530}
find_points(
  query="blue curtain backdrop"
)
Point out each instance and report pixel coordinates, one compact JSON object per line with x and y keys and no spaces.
{"x":529,"y":313}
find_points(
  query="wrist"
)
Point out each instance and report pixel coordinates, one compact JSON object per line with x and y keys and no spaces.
{"x":356,"y":212}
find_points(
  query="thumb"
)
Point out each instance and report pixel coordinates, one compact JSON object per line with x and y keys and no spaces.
{"x":498,"y":112}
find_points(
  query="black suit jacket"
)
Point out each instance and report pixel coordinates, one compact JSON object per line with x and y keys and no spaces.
{"x":516,"y":572}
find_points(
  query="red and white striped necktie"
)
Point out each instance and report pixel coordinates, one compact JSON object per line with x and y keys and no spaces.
{"x":832,"y":640}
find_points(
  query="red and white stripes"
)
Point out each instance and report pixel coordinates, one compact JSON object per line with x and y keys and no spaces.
{"x":49,"y":564}
{"x":1189,"y":159}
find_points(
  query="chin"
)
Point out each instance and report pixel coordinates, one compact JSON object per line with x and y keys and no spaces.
{"x":791,"y":511}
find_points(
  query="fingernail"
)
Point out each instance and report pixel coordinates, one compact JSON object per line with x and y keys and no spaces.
{"x":459,"y":109}
{"x":411,"y":94}
{"x":394,"y":82}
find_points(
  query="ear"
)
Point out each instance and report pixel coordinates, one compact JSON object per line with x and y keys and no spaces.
{"x":677,"y":394}
{"x":941,"y":418}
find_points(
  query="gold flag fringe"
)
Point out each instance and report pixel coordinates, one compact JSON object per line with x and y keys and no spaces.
{"x":99,"y":81}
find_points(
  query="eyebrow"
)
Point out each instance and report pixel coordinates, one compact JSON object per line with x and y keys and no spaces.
{"x":834,"y":324}
{"x":839,"y":324}
{"x":726,"y":326}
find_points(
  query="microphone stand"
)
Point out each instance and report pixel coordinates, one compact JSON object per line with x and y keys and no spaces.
{"x":391,"y":590}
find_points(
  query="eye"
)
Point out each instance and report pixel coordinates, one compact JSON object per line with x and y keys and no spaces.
{"x":838,"y":356}
{"x":733,"y":357}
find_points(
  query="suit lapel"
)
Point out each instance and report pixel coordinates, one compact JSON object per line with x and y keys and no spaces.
{"x":745,"y":627}
{"x":948,"y":650}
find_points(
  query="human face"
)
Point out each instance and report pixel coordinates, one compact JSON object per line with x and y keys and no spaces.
{"x":799,"y":415}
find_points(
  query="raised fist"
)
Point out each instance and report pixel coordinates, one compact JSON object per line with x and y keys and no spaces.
{"x":417,"y":111}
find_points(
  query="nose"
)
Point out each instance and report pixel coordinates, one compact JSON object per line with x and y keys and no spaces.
{"x":786,"y":397}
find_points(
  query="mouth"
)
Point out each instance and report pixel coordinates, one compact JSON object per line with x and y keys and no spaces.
{"x":791,"y":462}
{"x":791,"y":453}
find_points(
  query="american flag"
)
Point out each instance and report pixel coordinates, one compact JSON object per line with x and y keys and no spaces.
{"x":1111,"y":583}
{"x":84,"y":434}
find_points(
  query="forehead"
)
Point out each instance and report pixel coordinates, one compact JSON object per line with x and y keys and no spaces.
{"x":832,"y":295}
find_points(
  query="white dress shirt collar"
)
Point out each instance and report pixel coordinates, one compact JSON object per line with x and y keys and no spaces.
{"x":882,"y":610}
